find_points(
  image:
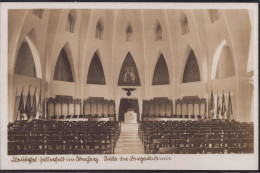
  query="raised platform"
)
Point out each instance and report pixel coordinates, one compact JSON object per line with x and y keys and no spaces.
{"x":79,"y":119}
{"x":169,"y":119}
{"x":83,"y":119}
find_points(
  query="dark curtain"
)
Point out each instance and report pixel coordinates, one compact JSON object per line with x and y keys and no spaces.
{"x":161,"y":74}
{"x":63,"y":69}
{"x":96,"y":72}
{"x":191,"y":71}
{"x":25,"y":62}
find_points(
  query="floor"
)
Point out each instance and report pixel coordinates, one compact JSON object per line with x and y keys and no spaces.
{"x":129,"y":141}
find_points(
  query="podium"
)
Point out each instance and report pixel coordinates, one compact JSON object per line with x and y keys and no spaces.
{"x":130,"y":117}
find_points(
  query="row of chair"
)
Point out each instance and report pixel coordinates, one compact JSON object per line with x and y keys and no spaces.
{"x":196,"y":137}
{"x":144,"y":116}
{"x":112,"y":117}
{"x":61,"y":137}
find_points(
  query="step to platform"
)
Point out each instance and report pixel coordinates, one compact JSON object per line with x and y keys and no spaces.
{"x":129,"y":141}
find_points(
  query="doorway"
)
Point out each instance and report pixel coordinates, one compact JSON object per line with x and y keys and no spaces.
{"x":125,"y":104}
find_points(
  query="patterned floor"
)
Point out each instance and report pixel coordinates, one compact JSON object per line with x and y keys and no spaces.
{"x":129,"y":141}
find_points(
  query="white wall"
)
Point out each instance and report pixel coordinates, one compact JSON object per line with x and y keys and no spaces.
{"x":204,"y":39}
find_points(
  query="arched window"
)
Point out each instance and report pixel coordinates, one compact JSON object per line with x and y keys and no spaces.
{"x":158,"y":32}
{"x":129,"y":74}
{"x":185,"y":26}
{"x":38,"y":13}
{"x":191,"y":71}
{"x":69,"y":24}
{"x":63,"y":70}
{"x":161,"y":74}
{"x":99,"y":30}
{"x":129,"y":33}
{"x":25,"y":62}
{"x":96,"y":72}
{"x":214,"y":15}
{"x":225,"y":66}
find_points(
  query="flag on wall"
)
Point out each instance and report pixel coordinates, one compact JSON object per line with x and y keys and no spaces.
{"x":230,"y":109}
{"x":33,"y":109}
{"x":206,"y":110}
{"x":28,"y":105}
{"x":211,"y":106}
{"x":15,"y":104}
{"x":218,"y":107}
{"x":21,"y":105}
{"x":39,"y":106}
{"x":223,"y":108}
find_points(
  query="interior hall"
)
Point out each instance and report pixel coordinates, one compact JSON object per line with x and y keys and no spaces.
{"x":130,"y":81}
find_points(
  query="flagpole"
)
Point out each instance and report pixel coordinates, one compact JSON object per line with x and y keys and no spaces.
{"x":20,"y":100}
{"x":18,"y":106}
{"x":209,"y":113}
{"x":40,"y":100}
{"x":217,"y":106}
{"x":28,"y":104}
{"x":231,"y":108}
{"x":34,"y":99}
{"x":224,"y":104}
{"x":39,"y":104}
{"x":223,"y":97}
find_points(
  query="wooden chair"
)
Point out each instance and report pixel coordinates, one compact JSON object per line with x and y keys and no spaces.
{"x":174,"y":116}
{"x":15,"y":148}
{"x":68,"y":116}
{"x":81,"y":116}
{"x":192,"y":116}
{"x":55,"y":147}
{"x":193,"y":146}
{"x":213,"y":136}
{"x":248,"y":145}
{"x":75,"y":116}
{"x":61,"y":117}
{"x":213,"y":146}
{"x":54,"y":117}
{"x":168,"y":150}
{"x":83,"y":151}
{"x":148,"y":142}
{"x":231,"y":142}
{"x":178,"y":143}
{"x":196,"y":142}
{"x":159,"y":143}
{"x":190,"y":150}
{"x":35,"y":148}
{"x":235,"y":146}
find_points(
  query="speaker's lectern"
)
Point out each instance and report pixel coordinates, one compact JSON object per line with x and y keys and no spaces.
{"x":130,"y":116}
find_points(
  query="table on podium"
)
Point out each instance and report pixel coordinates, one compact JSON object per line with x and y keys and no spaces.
{"x":130,"y":117}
